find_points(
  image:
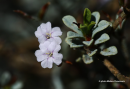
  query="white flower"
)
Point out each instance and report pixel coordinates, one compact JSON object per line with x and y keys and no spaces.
{"x":46,"y":33}
{"x":48,"y":54}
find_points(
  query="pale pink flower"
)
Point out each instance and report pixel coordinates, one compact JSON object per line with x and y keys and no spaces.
{"x":48,"y":54}
{"x":46,"y":33}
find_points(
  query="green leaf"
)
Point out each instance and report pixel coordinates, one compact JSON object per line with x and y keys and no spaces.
{"x":83,"y":29}
{"x":86,"y":16}
{"x":87,"y":29}
{"x":91,"y":25}
{"x":71,"y":34}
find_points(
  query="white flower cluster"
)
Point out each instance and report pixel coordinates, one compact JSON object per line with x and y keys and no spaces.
{"x":49,"y":45}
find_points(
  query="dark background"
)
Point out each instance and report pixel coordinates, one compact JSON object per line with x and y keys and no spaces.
{"x":18,"y":66}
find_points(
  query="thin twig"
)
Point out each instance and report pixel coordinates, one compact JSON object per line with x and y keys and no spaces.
{"x":118,"y":20}
{"x":112,"y":68}
{"x":123,"y":15}
{"x":116,"y":73}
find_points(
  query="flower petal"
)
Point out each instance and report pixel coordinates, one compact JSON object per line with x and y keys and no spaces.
{"x":57,"y":48}
{"x":47,"y":63}
{"x":57,"y":58}
{"x":40,"y":56}
{"x":56,"y":32}
{"x":50,"y":40}
{"x":48,"y":27}
{"x":52,"y":46}
{"x":42,"y":39}
{"x":38,"y":33}
{"x":43,"y":28}
{"x":50,"y":62}
{"x":44,"y":46}
{"x":38,"y":53}
{"x":58,"y":40}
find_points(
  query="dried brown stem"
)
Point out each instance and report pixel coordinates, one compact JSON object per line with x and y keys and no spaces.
{"x":116,"y":73}
{"x":123,"y":15}
{"x":119,"y":20}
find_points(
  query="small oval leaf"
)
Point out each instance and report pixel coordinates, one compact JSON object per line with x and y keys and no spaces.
{"x":71,"y":34}
{"x":68,"y":21}
{"x":88,"y":43}
{"x":109,"y":51}
{"x":72,"y":45}
{"x":92,"y":53}
{"x":87,"y":16}
{"x":87,"y":59}
{"x":104,"y":37}
{"x":97,"y":17}
{"x":101,"y":26}
{"x":78,"y":59}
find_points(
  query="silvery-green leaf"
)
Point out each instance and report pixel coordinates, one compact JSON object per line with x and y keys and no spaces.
{"x":103,"y":46}
{"x":72,"y":45}
{"x":68,"y":41}
{"x":103,"y":38}
{"x":78,"y":59}
{"x":68,"y":21}
{"x":97,"y":17}
{"x":75,"y":46}
{"x":92,"y":53}
{"x":88,"y":43}
{"x":109,"y":51}
{"x":101,"y":26}
{"x":71,"y":34}
{"x":87,"y":59}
